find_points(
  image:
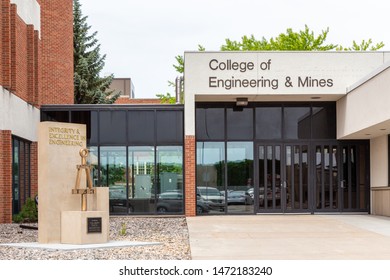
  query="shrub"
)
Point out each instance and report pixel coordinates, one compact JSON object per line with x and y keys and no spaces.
{"x":28,"y":214}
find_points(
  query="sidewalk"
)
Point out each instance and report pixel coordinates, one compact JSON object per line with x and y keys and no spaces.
{"x":288,"y":237}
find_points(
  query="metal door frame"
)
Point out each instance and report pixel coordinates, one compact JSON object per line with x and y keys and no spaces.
{"x":282,"y":182}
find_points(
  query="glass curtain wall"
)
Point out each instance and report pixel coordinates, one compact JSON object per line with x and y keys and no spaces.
{"x":240,"y":177}
{"x":150,"y":181}
{"x":141,"y":170}
{"x":210,"y":177}
{"x":169,"y":192}
{"x":113,"y":175}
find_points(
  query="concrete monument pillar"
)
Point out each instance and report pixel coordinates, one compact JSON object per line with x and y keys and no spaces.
{"x":61,"y":218}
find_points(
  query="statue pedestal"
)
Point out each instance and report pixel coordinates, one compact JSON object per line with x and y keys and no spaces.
{"x":84,"y":227}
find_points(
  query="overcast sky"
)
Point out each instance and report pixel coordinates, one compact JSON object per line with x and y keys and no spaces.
{"x":142,"y":37}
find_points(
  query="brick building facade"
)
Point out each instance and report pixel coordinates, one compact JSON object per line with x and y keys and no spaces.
{"x":36,"y":68}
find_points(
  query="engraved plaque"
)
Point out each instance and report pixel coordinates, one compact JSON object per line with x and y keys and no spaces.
{"x":94,"y":225}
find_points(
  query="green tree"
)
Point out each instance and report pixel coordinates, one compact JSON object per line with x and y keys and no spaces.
{"x":179,"y":67}
{"x":89,"y":87}
{"x":304,"y":40}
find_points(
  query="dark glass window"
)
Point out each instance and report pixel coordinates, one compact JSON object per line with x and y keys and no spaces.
{"x":94,"y":127}
{"x":297,"y":122}
{"x":239,"y":124}
{"x":21,"y":184}
{"x":141,"y":127}
{"x":169,"y":127}
{"x":112,"y":127}
{"x":84,"y":117}
{"x":210,"y":124}
{"x":55,"y":116}
{"x":269,"y":123}
{"x":324,"y":122}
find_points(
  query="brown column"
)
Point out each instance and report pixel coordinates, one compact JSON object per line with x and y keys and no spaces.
{"x":5,"y":176}
{"x":190,"y":176}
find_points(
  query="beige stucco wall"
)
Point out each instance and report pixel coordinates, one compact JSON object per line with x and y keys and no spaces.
{"x":379,"y":161}
{"x":380,"y":192}
{"x":364,"y":112}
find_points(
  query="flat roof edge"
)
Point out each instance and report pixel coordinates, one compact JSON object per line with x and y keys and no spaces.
{"x":368,"y":77}
{"x":109,"y":106}
{"x":291,"y":51}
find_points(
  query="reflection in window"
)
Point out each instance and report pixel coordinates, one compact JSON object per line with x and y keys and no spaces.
{"x":324,"y":122}
{"x":210,"y":123}
{"x":210,"y":177}
{"x":297,"y":122}
{"x":113,"y":175}
{"x":169,"y":179}
{"x":141,"y":177}
{"x":93,"y":162}
{"x":240,"y":177}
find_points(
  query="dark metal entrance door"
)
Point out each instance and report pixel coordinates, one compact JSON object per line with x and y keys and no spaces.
{"x":321,"y":177}
{"x":270,"y":195}
{"x":326,"y":180}
{"x":354,"y":177}
{"x":283,"y":178}
{"x":296,"y":177}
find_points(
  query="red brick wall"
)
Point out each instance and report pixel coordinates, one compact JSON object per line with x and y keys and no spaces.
{"x":126,"y":100}
{"x":189,"y":163}
{"x":34,"y":168}
{"x":19,"y":55}
{"x":5,"y":77}
{"x":57,"y":51}
{"x":19,"y":74}
{"x":5,"y":176}
{"x":37,"y":68}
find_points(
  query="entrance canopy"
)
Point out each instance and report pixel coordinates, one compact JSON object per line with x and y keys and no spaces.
{"x":274,"y":76}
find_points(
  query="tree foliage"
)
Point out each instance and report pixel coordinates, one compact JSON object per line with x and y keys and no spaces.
{"x":303,"y":40}
{"x":89,"y":87}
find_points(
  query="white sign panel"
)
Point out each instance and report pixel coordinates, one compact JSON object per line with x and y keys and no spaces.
{"x":267,"y":73}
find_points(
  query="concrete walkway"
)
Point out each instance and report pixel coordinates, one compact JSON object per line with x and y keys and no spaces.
{"x":288,"y":237}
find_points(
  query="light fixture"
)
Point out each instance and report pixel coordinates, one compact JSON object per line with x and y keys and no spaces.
{"x":241,"y":101}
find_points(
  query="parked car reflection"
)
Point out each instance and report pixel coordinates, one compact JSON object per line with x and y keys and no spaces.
{"x":173,"y":202}
{"x":212,"y":197}
{"x":239,"y":197}
{"x":170,"y":202}
{"x":270,"y":195}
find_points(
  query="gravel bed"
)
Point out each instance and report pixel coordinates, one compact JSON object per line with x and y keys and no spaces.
{"x":172,"y":232}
